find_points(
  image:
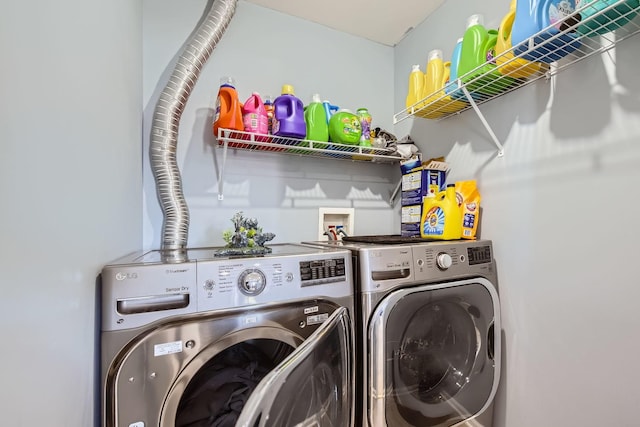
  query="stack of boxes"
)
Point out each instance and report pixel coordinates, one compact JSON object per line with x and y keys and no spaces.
{"x":417,"y":181}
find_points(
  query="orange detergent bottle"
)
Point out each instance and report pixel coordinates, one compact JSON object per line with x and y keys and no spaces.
{"x":228,"y":113}
{"x":441,"y":216}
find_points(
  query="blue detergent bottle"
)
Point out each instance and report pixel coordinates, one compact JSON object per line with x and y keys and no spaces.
{"x":542,"y":21}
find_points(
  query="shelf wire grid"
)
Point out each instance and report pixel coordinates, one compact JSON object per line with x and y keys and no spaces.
{"x":228,"y":138}
{"x":595,"y":36}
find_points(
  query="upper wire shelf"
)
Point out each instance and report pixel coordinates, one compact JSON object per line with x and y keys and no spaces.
{"x":303,"y":147}
{"x":593,"y":29}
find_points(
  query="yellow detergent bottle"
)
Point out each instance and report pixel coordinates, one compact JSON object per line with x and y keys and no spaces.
{"x":437,"y":76}
{"x":441,"y":216}
{"x":416,"y":88}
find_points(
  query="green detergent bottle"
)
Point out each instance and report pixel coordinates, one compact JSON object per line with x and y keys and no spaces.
{"x":315,"y":117}
{"x":477,"y":58}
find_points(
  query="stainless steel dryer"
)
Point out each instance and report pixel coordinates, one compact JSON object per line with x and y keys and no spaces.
{"x":231,"y":341}
{"x":429,"y":330}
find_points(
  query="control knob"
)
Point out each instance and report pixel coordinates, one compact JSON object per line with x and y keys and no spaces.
{"x":252,"y":282}
{"x":444,"y":261}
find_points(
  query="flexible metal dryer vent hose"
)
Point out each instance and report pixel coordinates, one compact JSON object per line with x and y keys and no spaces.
{"x":166,"y":121}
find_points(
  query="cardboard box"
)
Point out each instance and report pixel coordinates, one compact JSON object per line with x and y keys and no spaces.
{"x":417,"y":182}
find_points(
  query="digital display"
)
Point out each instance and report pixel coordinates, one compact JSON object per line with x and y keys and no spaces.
{"x":479,"y":255}
{"x":322,"y":271}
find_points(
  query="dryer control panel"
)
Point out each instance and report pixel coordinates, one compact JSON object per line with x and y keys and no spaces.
{"x":232,"y":283}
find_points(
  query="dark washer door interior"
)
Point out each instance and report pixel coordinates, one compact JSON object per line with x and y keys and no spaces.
{"x":218,"y":392}
{"x":439,"y":368}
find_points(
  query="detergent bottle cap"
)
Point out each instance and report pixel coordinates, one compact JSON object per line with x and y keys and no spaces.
{"x":476,"y":19}
{"x":459,"y":40}
{"x":255,"y":93}
{"x":267,"y":100}
{"x":316,"y":98}
{"x":415,"y":67}
{"x":287,"y":90}
{"x":228,"y":81}
{"x":435,"y":54}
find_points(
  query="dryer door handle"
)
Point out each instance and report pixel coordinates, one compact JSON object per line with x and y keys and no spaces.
{"x":152,"y":303}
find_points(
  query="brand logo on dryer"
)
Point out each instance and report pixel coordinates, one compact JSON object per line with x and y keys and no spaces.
{"x":122,"y":276}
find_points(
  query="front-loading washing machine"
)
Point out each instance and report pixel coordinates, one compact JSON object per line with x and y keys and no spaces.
{"x":429,"y":326}
{"x":228,"y":341}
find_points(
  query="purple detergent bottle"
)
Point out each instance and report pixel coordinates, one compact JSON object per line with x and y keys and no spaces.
{"x":288,"y":115}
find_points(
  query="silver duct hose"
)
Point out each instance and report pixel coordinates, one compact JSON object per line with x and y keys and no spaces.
{"x":166,"y":121}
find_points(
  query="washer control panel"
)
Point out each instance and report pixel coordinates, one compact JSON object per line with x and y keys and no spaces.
{"x":387,"y":267}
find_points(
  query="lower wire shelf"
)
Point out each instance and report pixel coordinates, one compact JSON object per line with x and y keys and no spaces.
{"x":228,"y":138}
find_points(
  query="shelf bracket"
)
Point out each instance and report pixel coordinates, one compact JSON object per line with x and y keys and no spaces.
{"x":225,"y":149}
{"x":482,"y":119}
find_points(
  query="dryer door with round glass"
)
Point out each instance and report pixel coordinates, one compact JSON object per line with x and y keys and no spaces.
{"x":433,"y":354}
{"x":312,"y":387}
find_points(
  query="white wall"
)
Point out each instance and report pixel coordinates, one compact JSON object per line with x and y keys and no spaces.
{"x":262,"y":50}
{"x":70,"y":116}
{"x":561,"y":211}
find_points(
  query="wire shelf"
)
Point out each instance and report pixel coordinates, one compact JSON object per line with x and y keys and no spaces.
{"x":303,"y":147}
{"x":590,"y":30}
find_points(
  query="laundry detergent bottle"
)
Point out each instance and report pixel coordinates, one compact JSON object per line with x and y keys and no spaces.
{"x":477,"y":68}
{"x":254,"y":115}
{"x":416,"y":90}
{"x":438,"y":103}
{"x":228,"y":112}
{"x":288,"y":115}
{"x":595,"y":20}
{"x":508,"y":64}
{"x":441,"y":216}
{"x":315,"y":118}
{"x":551,"y":26}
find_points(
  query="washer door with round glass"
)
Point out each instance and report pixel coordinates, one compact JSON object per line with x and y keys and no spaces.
{"x":313,"y":387}
{"x":434,"y":357}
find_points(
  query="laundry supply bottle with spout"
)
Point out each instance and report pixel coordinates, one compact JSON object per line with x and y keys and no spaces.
{"x":316,"y":120}
{"x":438,"y":103}
{"x":254,"y":115}
{"x":551,"y":24}
{"x":416,"y":87}
{"x":441,"y":216}
{"x":508,"y":64}
{"x":288,"y":115}
{"x":228,"y":111}
{"x":477,"y":68}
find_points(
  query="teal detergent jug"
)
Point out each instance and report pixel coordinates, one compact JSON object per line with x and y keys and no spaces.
{"x":550,"y":24}
{"x":604,"y":16}
{"x":452,"y":88}
{"x":477,"y":68}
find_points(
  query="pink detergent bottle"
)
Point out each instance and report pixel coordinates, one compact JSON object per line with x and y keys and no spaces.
{"x":254,"y":115}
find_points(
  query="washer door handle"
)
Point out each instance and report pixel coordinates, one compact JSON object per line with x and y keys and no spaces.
{"x":491,"y":342}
